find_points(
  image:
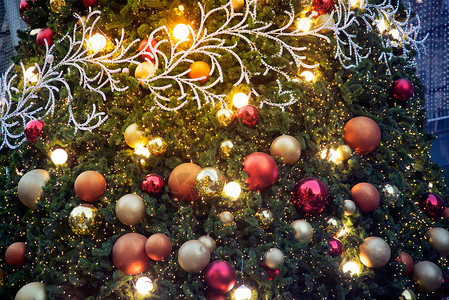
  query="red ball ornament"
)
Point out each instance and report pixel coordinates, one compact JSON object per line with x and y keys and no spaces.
{"x":90,"y":3}
{"x":323,"y":6}
{"x":362,"y":134}
{"x":34,"y":129}
{"x":23,"y":7}
{"x":272,"y":273}
{"x":220,"y":276}
{"x":149,"y":48}
{"x":249,"y":115}
{"x":310,"y":196}
{"x":336,"y":248}
{"x":402,"y":89}
{"x":432,"y":205}
{"x":153,"y":185}
{"x":262,"y":171}
{"x":46,"y":34}
{"x":407,"y":260}
{"x":128,"y":254}
{"x":15,"y":255}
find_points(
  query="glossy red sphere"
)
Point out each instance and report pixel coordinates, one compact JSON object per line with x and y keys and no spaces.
{"x":272,"y":273}
{"x":310,"y":196}
{"x":220,"y":276}
{"x":323,"y":6}
{"x":432,"y":205}
{"x":402,"y":89}
{"x":249,"y":115}
{"x":262,"y":171}
{"x":153,"y":185}
{"x":336,"y":248}
{"x":24,"y":6}
{"x":149,"y":48}
{"x":33,"y":130}
{"x":88,"y":3}
{"x":46,"y":34}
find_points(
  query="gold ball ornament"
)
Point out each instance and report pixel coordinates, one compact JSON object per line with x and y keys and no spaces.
{"x":90,"y":186}
{"x":303,"y":230}
{"x":265,"y":217}
{"x":84,"y":219}
{"x":30,"y":187}
{"x":32,"y":291}
{"x":210,"y":182}
{"x":182,"y":182}
{"x":439,"y":239}
{"x":225,"y":117}
{"x":273,"y":258}
{"x":144,"y":70}
{"x":199,"y":69}
{"x":56,"y":5}
{"x":134,"y":137}
{"x":226,"y":149}
{"x":209,"y":242}
{"x":238,"y":5}
{"x":130,"y":209}
{"x":428,"y":276}
{"x":157,"y":145}
{"x":287,"y":148}
{"x":193,"y":256}
{"x":350,"y":207}
{"x":226,"y":217}
{"x":322,"y":20}
{"x":344,"y":152}
{"x":408,"y":294}
{"x":158,"y":246}
{"x":374,"y":252}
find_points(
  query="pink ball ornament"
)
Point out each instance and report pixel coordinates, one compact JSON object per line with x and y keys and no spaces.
{"x":90,"y":3}
{"x":432,"y":205}
{"x":402,"y":89}
{"x":220,"y":276}
{"x":46,"y":34}
{"x":33,"y":130}
{"x":23,"y":7}
{"x":262,"y":171}
{"x":310,"y":196}
{"x":336,"y":247}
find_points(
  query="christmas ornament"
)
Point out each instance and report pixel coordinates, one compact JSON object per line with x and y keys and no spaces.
{"x":273,"y":258}
{"x":265,"y":217}
{"x":272,"y":273}
{"x":46,"y":34}
{"x":362,"y":134}
{"x":402,"y":89}
{"x":15,"y":255}
{"x":432,"y":205}
{"x":439,"y":239}
{"x":56,"y":5}
{"x":238,"y":5}
{"x":249,"y":115}
{"x":240,"y":99}
{"x":303,"y":230}
{"x":209,"y":242}
{"x":287,"y":148}
{"x":446,"y":213}
{"x":144,"y":285}
{"x":193,"y":256}
{"x":182,"y":182}
{"x":158,"y":246}
{"x":232,"y":190}
{"x":157,"y":145}
{"x":226,"y":217}
{"x":198,"y":70}
{"x":84,"y":219}
{"x":23,"y":7}
{"x":34,"y":129}
{"x":30,"y":187}
{"x":407,"y":260}
{"x":210,"y":182}
{"x":225,"y":117}
{"x":366,"y":196}
{"x":220,"y":276}
{"x":344,"y":152}
{"x":322,"y":20}
{"x":350,"y":207}
{"x":32,"y":291}
{"x":390,"y":193}
{"x":128,"y":254}
{"x":130,"y":209}
{"x":262,"y":171}
{"x":408,"y":294}
{"x":59,"y":156}
{"x":90,"y":186}
{"x":144,"y":70}
{"x":310,"y":196}
{"x":334,"y":225}
{"x":153,"y":185}
{"x":243,"y":293}
{"x":90,"y":3}
{"x":226,"y":149}
{"x":374,"y":252}
{"x":134,"y":137}
{"x":336,"y":247}
{"x":428,"y":276}
{"x":323,"y":6}
{"x":149,"y":49}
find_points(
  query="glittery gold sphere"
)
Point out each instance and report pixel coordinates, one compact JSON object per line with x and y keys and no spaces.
{"x":238,"y":5}
{"x":30,"y":187}
{"x":439,"y":239}
{"x":193,"y":256}
{"x":265,"y":217}
{"x":350,"y":207}
{"x":32,"y":291}
{"x":374,"y":252}
{"x":226,"y":217}
{"x":134,"y":137}
{"x":210,"y":182}
{"x":344,"y":152}
{"x":225,"y":117}
{"x":390,"y":193}
{"x":56,"y":5}
{"x":273,"y":258}
{"x":226,"y":149}
{"x":209,"y":242}
{"x":130,"y":209}
{"x":84,"y":219}
{"x":287,"y":148}
{"x":303,"y":230}
{"x":408,"y":294}
{"x":157,"y":145}
{"x":428,"y":276}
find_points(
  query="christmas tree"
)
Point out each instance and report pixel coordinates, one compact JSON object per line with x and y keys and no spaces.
{"x":219,"y":150}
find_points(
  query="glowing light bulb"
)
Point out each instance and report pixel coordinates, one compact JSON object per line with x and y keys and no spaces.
{"x":308,"y":76}
{"x":97,"y":42}
{"x":144,"y":285}
{"x":240,"y":99}
{"x":343,"y":231}
{"x":30,"y":75}
{"x":304,"y":24}
{"x":331,"y":154}
{"x":142,"y":151}
{"x":353,"y":2}
{"x":242,"y":293}
{"x":59,"y":156}
{"x":181,"y":32}
{"x":381,"y":25}
{"x":395,"y":34}
{"x":351,"y":267}
{"x":181,"y":8}
{"x":232,"y":189}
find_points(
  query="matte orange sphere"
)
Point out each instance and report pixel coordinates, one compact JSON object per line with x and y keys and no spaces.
{"x":199,"y":69}
{"x":158,"y":246}
{"x":182,"y":182}
{"x":128,"y":254}
{"x":362,"y":134}
{"x":15,"y":255}
{"x":366,"y":196}
{"x":90,"y":186}
{"x":407,"y":260}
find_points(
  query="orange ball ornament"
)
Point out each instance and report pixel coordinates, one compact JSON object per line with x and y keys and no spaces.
{"x":158,"y":246}
{"x":128,"y":254}
{"x":407,"y":260}
{"x":362,"y":134}
{"x":366,"y":196}
{"x":199,"y":69}
{"x":182,"y":182}
{"x":15,"y":255}
{"x":90,"y":186}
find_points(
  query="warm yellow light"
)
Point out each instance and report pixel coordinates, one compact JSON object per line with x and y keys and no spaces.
{"x":351,"y":267}
{"x":331,"y":154}
{"x":142,"y":151}
{"x":354,"y":2}
{"x":181,"y":32}
{"x":342,"y":232}
{"x":240,"y":99}
{"x":97,"y":42}
{"x":30,"y":75}
{"x":308,"y":76}
{"x":304,"y":24}
{"x":242,"y":293}
{"x":181,"y":8}
{"x":144,"y":285}
{"x":395,"y":34}
{"x":381,"y":25}
{"x":232,"y":189}
{"x":59,"y":156}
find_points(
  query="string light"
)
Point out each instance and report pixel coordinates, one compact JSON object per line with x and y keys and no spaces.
{"x":331,"y":154}
{"x":232,"y":189}
{"x":144,"y":285}
{"x":308,"y":76}
{"x":142,"y":151}
{"x":381,"y":25}
{"x":242,"y":293}
{"x":343,"y":231}
{"x":97,"y":42}
{"x":351,"y":267}
{"x":30,"y":75}
{"x":304,"y":24}
{"x":181,"y":32}
{"x":240,"y":100}
{"x":59,"y":156}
